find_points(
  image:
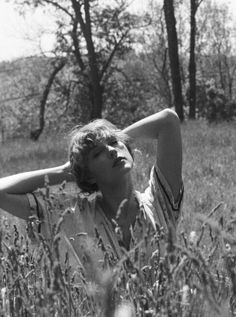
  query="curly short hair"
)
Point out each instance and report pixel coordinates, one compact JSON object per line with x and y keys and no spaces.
{"x":83,"y":140}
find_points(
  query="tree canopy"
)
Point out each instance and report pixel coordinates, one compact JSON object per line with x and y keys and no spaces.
{"x":110,"y":62}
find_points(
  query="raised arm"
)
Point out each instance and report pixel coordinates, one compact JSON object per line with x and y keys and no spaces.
{"x":165,"y":127}
{"x":13,"y":188}
{"x":27,"y":182}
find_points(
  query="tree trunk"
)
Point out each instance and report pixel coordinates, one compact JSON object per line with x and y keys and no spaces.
{"x":174,"y":56}
{"x":35,"y":134}
{"x":192,"y":62}
{"x":97,"y":93}
{"x":95,"y":87}
{"x":96,"y":97}
{"x":221,"y":73}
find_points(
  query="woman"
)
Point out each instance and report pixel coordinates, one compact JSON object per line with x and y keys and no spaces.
{"x":108,"y":209}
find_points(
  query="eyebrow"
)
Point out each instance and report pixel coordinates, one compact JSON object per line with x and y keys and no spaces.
{"x":97,"y":147}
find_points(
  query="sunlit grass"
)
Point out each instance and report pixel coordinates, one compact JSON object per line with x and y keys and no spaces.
{"x":209,"y":174}
{"x":209,"y":168}
{"x":24,"y":154}
{"x":209,"y":162}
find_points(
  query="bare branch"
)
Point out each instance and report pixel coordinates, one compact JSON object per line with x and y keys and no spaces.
{"x":77,"y":9}
{"x":105,"y":67}
{"x":36,"y":133}
{"x":76,"y":44}
{"x":198,"y":4}
{"x":58,"y":6}
{"x":18,"y":98}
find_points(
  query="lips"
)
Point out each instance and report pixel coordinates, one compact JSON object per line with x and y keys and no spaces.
{"x":118,"y":160}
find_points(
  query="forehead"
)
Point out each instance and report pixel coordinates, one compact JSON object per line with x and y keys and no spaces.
{"x":96,"y":138}
{"x":99,"y":145}
{"x":93,"y":138}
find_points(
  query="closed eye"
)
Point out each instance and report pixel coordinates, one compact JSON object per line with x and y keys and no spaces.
{"x":113,"y":142}
{"x":98,"y":151}
{"x":96,"y":154}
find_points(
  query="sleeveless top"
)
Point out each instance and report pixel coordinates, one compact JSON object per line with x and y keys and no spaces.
{"x":92,"y":240}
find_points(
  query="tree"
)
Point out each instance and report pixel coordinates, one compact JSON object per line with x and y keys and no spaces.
{"x":22,"y":83}
{"x":174,"y":56}
{"x":155,"y":50}
{"x":57,"y":67}
{"x":215,"y":46}
{"x":194,"y":4}
{"x":91,"y":36}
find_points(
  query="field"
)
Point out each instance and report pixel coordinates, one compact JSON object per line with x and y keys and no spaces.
{"x":198,"y":278}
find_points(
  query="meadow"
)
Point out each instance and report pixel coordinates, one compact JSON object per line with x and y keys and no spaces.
{"x":197,"y":277}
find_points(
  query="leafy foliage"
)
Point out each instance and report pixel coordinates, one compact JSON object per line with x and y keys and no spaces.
{"x":133,"y":73}
{"x":213,"y":104}
{"x":218,"y":107}
{"x":22,"y":85}
{"x":91,"y":37}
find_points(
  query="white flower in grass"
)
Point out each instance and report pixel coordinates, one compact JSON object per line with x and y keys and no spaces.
{"x":185,"y":295}
{"x":125,"y":310}
{"x":227,"y":247}
{"x":5,"y":302}
{"x":193,"y":237}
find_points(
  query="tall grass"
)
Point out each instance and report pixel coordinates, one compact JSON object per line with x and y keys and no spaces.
{"x":209,"y":169}
{"x":23,"y":154}
{"x":197,"y":275}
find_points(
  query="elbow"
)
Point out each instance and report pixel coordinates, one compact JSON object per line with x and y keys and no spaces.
{"x":3,"y":190}
{"x":170,"y":117}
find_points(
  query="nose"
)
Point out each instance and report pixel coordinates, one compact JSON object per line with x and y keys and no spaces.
{"x":111,"y":152}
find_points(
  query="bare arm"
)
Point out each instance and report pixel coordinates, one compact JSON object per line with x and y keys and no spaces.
{"x":13,"y":189}
{"x":27,"y":182}
{"x":165,"y":127}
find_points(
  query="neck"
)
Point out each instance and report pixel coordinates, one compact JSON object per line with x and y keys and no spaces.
{"x":115,"y":194}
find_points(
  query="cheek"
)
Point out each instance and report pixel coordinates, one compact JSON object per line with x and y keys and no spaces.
{"x":97,"y":166}
{"x":130,"y":155}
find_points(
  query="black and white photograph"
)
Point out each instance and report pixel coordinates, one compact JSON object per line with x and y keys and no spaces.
{"x":117,"y":158}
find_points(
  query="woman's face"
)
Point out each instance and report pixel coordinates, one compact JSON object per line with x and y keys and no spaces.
{"x":109,"y":161}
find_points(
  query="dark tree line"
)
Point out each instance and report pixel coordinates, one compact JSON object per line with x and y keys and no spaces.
{"x":94,"y":43}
